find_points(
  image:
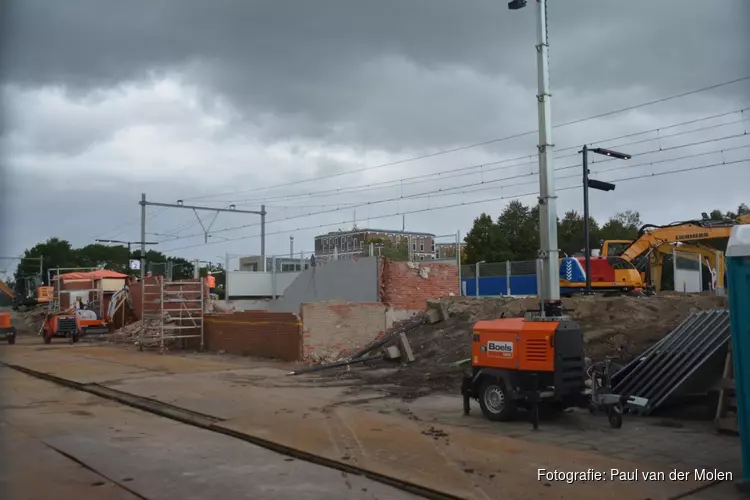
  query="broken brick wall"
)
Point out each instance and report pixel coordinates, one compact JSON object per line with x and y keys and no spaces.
{"x":406,"y":286}
{"x":255,"y":333}
{"x":333,"y":329}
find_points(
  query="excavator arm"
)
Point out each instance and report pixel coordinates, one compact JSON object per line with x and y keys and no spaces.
{"x":653,"y":238}
{"x":711,"y":256}
{"x":4,"y":288}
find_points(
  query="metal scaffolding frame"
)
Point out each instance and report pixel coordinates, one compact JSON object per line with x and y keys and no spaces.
{"x":160,"y":325}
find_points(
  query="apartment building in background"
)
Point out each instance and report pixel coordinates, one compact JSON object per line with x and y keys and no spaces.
{"x":356,"y":243}
{"x":445,"y":251}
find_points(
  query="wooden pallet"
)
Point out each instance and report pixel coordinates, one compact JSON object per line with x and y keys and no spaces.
{"x":726,"y":410}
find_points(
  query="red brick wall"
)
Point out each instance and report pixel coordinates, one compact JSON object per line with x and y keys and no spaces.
{"x":331,"y":330}
{"x":255,"y":333}
{"x":402,"y":287}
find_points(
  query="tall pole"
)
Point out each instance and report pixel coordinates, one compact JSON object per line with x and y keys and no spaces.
{"x":458,"y":262}
{"x":263,"y":235}
{"x":291,"y":247}
{"x":587,"y":242}
{"x":550,"y":291}
{"x":143,"y":238}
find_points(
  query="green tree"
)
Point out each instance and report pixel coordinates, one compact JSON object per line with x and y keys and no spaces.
{"x":621,"y":226}
{"x":393,"y":250}
{"x":520,"y":226}
{"x":55,"y":252}
{"x":570,"y":233}
{"x":485,"y":242}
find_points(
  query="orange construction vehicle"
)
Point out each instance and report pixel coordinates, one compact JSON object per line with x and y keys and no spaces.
{"x":28,"y":292}
{"x":656,"y":241}
{"x":6,"y":327}
{"x":532,"y":361}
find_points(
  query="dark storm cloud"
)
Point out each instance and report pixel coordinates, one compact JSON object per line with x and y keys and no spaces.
{"x":372,"y":73}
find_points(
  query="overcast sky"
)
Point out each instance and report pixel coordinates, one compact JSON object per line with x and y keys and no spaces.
{"x":210,"y":102}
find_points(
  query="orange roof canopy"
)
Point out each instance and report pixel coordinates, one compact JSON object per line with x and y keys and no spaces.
{"x":95,"y":275}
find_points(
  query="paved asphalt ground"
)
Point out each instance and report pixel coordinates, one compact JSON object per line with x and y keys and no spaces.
{"x":62,"y":444}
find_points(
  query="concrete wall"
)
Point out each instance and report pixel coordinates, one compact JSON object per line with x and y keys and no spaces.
{"x":255,"y":333}
{"x":335,"y":329}
{"x":331,"y":330}
{"x":258,"y":284}
{"x":354,"y":280}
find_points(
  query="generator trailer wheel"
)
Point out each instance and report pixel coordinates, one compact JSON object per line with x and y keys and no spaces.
{"x":495,"y":401}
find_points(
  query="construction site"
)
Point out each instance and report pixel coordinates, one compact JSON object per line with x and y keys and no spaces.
{"x":390,"y":388}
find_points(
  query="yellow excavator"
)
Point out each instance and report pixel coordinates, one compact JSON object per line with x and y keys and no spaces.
{"x":654,"y":242}
{"x":28,"y":292}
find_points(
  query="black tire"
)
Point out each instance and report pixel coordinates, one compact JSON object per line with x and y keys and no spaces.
{"x":615,"y":417}
{"x":495,"y":401}
{"x":11,"y":339}
{"x":47,"y":339}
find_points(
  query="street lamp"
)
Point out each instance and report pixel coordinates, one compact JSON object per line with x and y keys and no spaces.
{"x":548,"y":252}
{"x":129,"y":244}
{"x":593,"y":184}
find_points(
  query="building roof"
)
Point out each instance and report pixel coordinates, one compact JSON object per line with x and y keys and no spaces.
{"x":96,"y":275}
{"x":369,"y":230}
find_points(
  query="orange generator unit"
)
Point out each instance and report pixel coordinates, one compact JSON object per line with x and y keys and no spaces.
{"x":7,"y":328}
{"x":522,"y":362}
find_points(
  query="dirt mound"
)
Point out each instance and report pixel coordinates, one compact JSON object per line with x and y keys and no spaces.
{"x":621,"y":327}
{"x":30,"y":321}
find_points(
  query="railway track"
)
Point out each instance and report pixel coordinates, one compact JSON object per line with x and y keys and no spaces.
{"x":213,"y":424}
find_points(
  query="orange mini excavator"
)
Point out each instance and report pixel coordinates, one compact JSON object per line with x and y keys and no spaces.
{"x":531,"y":361}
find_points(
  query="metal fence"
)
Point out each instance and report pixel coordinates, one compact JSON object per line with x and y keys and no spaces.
{"x":500,"y":278}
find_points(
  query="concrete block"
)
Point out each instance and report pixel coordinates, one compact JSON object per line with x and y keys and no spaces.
{"x":433,"y":316}
{"x":408,"y":354}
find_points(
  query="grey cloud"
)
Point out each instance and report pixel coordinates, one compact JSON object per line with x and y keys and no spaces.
{"x":317,"y":69}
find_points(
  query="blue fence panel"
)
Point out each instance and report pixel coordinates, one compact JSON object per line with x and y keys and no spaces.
{"x":519,"y":285}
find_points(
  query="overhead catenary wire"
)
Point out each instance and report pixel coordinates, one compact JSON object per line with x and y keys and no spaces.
{"x":484,"y":165}
{"x":124,"y":228}
{"x":443,"y":191}
{"x":483,"y":143}
{"x":467,"y":203}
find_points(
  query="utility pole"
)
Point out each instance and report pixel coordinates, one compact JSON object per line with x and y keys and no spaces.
{"x":143,"y":239}
{"x":291,"y":247}
{"x":263,"y":235}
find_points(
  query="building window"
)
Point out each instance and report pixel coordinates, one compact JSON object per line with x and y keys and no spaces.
{"x":355,"y":243}
{"x":361,"y":245}
{"x":414,"y":246}
{"x":325,"y":245}
{"x":421,"y":244}
{"x":421,"y":257}
{"x":348,"y":245}
{"x":437,"y":253}
{"x":433,"y":245}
